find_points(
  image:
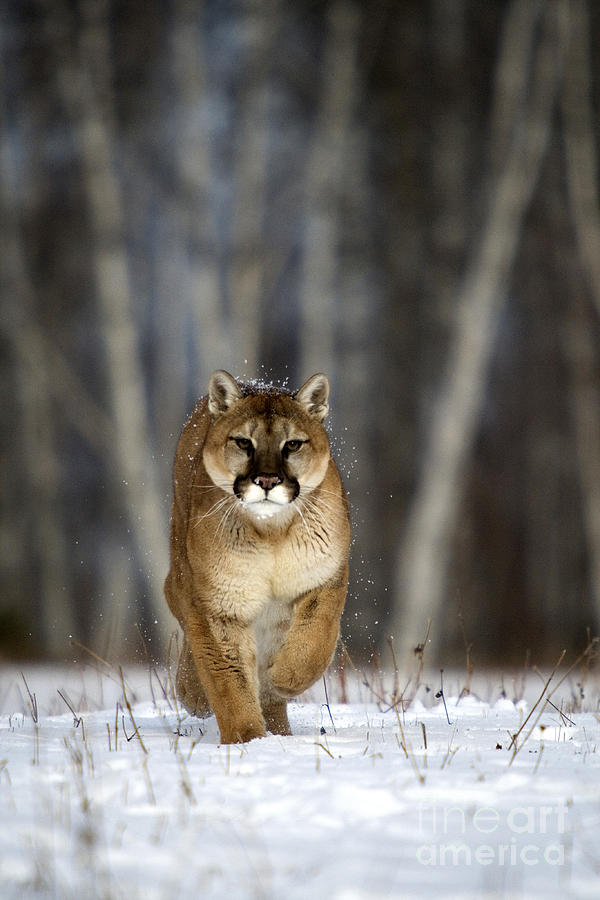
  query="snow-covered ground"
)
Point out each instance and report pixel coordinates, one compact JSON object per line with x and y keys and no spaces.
{"x":359,"y":803}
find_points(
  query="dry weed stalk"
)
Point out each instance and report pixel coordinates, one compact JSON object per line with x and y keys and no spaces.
{"x":77,"y":720}
{"x":468,"y":647}
{"x":515,"y":737}
{"x":417,"y":678}
{"x":33,"y":708}
{"x":130,"y":711}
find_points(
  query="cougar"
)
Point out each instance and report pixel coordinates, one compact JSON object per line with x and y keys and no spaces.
{"x":260,"y":539}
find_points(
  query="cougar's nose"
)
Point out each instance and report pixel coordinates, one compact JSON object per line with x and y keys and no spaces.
{"x":266,"y":482}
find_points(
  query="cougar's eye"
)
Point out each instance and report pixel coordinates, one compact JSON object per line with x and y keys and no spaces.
{"x":292,"y":446}
{"x":243,"y":443}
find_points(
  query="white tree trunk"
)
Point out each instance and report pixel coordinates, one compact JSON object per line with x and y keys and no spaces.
{"x":324,"y":185}
{"x":582,"y":161}
{"x":197,"y":276}
{"x":357,"y":372}
{"x":247,"y":268}
{"x":87,"y":92}
{"x":425,"y":548}
{"x":40,"y":462}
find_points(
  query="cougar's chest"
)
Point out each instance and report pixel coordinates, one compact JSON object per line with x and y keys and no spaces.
{"x":284,"y":569}
{"x":301,"y":564}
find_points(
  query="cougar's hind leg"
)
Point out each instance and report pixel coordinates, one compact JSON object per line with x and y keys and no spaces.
{"x":274,"y":709}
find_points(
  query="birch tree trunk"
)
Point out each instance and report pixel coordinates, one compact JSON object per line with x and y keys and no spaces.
{"x":47,"y":550}
{"x":582,"y":162}
{"x":324,"y":185}
{"x":88,"y":98}
{"x":450,"y":158}
{"x":193,"y":218}
{"x":425,"y":548}
{"x":247,"y":267}
{"x":359,"y":368}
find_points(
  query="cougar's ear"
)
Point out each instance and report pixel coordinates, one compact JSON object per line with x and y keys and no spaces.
{"x":223,"y":391}
{"x":314,"y":396}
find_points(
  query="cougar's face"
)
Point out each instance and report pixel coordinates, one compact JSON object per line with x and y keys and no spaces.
{"x":268,"y":453}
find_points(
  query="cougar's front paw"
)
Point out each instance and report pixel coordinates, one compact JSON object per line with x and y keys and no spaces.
{"x":290,"y":679}
{"x":241,"y":732}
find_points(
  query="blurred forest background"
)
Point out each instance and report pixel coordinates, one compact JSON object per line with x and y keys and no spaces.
{"x":401,"y":194}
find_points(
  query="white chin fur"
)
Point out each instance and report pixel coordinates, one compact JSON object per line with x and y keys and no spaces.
{"x":265,"y":509}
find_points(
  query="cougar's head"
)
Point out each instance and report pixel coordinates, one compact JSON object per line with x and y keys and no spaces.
{"x":264,"y":445}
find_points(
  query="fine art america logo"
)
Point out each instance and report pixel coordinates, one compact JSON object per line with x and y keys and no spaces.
{"x":484,"y":836}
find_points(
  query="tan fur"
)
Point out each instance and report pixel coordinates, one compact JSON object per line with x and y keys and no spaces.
{"x":259,"y":553}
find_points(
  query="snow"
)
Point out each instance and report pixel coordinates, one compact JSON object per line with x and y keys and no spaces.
{"x":338,"y":810}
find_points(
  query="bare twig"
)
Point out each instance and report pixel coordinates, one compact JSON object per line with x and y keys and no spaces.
{"x":77,"y":720}
{"x":327,"y":706}
{"x":323,"y":747}
{"x":563,"y":715}
{"x":405,"y":746}
{"x":95,"y":656}
{"x":516,"y":747}
{"x":130,"y":711}
{"x":440,"y":693}
{"x":419,"y":652}
{"x":584,"y":657}
{"x":468,"y":648}
{"x":390,"y":641}
{"x":364,"y":680}
{"x":33,"y":709}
